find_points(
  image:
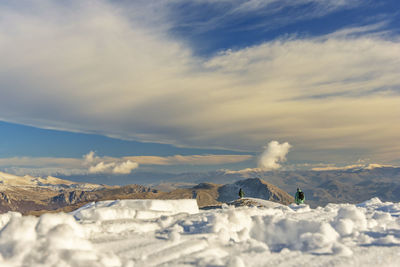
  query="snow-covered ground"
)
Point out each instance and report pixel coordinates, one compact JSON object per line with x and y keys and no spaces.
{"x":176,"y":233}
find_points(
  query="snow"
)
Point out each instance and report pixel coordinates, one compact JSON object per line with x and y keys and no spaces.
{"x":10,"y":180}
{"x":176,"y":233}
{"x":250,"y":201}
{"x":133,"y":208}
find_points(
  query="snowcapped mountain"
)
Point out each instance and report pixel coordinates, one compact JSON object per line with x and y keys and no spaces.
{"x":10,"y":180}
{"x":35,"y":195}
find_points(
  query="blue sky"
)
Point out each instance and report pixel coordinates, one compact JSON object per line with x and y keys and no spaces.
{"x":210,"y":27}
{"x":26,"y":141}
{"x":114,"y":87}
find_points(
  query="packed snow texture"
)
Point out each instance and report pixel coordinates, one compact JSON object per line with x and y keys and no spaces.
{"x":176,"y":233}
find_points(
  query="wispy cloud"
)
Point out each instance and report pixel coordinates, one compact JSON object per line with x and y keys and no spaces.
{"x":88,"y":67}
{"x":323,"y":6}
{"x":266,"y":15}
{"x":190,"y":159}
{"x":43,"y":171}
{"x":72,"y":163}
{"x":353,"y":167}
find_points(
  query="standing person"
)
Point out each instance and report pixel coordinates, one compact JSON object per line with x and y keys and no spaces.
{"x":241,"y":193}
{"x":299,"y":197}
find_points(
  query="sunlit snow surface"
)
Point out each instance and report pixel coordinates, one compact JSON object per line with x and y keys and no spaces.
{"x":176,"y":233}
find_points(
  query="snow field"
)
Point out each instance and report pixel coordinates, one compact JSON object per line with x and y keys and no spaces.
{"x":175,"y":233}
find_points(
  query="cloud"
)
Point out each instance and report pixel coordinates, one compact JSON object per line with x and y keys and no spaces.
{"x":91,"y":163}
{"x":113,"y":167}
{"x":89,"y":157}
{"x":126,"y":164}
{"x":354,"y":167}
{"x":86,"y":66}
{"x":247,"y":171}
{"x":43,"y":171}
{"x":190,"y":159}
{"x":102,"y":167}
{"x":108,"y":165}
{"x":205,"y":15}
{"x":322,"y":6}
{"x":125,"y":167}
{"x":41,"y":162}
{"x":273,"y":154}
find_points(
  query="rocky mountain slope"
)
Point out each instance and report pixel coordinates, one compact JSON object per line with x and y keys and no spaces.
{"x":256,"y":188}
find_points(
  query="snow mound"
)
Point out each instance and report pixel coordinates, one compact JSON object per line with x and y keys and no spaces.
{"x":255,"y":202}
{"x":175,"y":233}
{"x":135,"y":208}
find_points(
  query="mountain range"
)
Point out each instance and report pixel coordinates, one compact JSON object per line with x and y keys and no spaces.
{"x":36,"y":195}
{"x":350,"y":185}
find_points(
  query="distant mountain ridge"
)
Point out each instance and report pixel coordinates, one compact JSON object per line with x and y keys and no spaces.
{"x":351,"y":185}
{"x":36,"y":195}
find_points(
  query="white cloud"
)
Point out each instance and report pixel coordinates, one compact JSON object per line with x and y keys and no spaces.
{"x":108,"y":164}
{"x":273,"y":154}
{"x":190,"y":159}
{"x":71,"y":163}
{"x":125,"y":167}
{"x":126,"y":164}
{"x":370,"y":166}
{"x":43,"y":171}
{"x":87,"y":67}
{"x":89,"y":157}
{"x":247,"y":171}
{"x":321,"y":7}
{"x":102,"y":167}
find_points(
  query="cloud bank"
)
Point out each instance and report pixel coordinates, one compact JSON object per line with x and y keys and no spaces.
{"x":190,"y":159}
{"x":87,"y":66}
{"x":370,"y":166}
{"x":274,"y":154}
{"x":91,"y":163}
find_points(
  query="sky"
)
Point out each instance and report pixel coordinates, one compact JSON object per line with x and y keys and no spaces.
{"x":115,"y":87}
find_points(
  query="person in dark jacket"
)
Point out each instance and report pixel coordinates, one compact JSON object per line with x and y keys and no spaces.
{"x":241,"y":193}
{"x":299,"y":197}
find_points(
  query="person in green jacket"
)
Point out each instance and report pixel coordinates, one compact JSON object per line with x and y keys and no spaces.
{"x":241,"y":193}
{"x":299,"y":197}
